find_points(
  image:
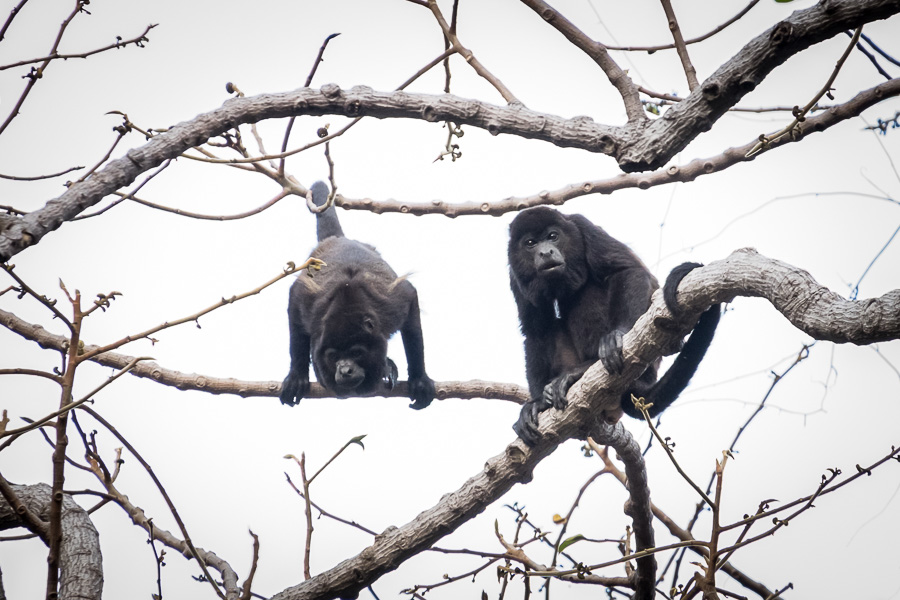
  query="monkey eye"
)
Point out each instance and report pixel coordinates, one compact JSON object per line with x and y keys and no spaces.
{"x":530,"y":243}
{"x":356,"y":352}
{"x":553,"y":236}
{"x":330,"y":355}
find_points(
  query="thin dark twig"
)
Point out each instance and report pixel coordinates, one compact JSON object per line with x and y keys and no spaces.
{"x":327,"y":514}
{"x":36,"y":73}
{"x":119,"y":43}
{"x":705,"y":36}
{"x":122,"y":131}
{"x":50,"y":304}
{"x":39,"y":177}
{"x":12,"y":15}
{"x":309,"y":526}
{"x":127,"y":196}
{"x":184,"y":213}
{"x":871,"y":58}
{"x":253,"y":565}
{"x":158,"y":560}
{"x":309,"y":78}
{"x":162,"y":491}
{"x":680,"y":46}
{"x":257,"y":159}
{"x":877,"y":49}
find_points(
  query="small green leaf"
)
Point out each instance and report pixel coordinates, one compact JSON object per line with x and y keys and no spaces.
{"x":783,"y":1}
{"x":569,"y":541}
{"x":358,"y":440}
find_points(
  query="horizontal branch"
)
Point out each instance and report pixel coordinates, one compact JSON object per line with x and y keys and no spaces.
{"x":673,"y":173}
{"x":465,"y":390}
{"x":636,"y":146}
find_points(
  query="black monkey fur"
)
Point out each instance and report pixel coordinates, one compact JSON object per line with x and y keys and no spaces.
{"x":578,"y":290}
{"x":342,"y":316}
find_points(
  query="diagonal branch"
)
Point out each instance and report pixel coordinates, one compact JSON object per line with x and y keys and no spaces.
{"x":597,"y":52}
{"x":686,"y":64}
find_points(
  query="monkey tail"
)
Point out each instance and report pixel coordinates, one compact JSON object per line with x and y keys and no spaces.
{"x":676,"y":379}
{"x":327,"y":223}
{"x":667,"y":389}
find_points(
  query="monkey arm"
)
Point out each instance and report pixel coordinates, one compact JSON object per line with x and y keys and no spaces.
{"x":421,"y":387}
{"x":296,"y":384}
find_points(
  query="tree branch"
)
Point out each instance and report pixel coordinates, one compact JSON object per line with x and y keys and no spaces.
{"x":80,"y":561}
{"x":636,"y":146}
{"x":598,"y":53}
{"x":465,"y":390}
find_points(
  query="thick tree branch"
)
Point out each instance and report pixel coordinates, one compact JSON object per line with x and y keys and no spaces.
{"x":465,"y":390}
{"x":636,"y":146}
{"x":671,"y":174}
{"x":742,"y":73}
{"x":80,"y":561}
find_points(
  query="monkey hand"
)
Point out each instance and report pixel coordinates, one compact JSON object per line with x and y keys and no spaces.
{"x":610,"y":351}
{"x":421,"y":391}
{"x":555,"y":391}
{"x":390,"y":374}
{"x":295,"y":386}
{"x":527,"y":425}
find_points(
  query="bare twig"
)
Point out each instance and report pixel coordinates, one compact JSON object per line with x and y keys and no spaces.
{"x":162,"y":491}
{"x":248,"y":583}
{"x":37,"y":73}
{"x":15,"y":433}
{"x":129,"y":195}
{"x":450,"y":34}
{"x":12,"y":15}
{"x":39,"y":177}
{"x":288,"y":270}
{"x":800,"y":114}
{"x":309,"y":78}
{"x":598,"y":53}
{"x":308,"y":509}
{"x":686,"y":64}
{"x":185,"y":213}
{"x":138,"y":41}
{"x":705,"y":36}
{"x":639,"y":404}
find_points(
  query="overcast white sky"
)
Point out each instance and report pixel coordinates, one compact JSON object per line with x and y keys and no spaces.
{"x":827,"y":205}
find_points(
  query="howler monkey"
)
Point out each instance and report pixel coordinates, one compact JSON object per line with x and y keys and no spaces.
{"x":342,"y":316}
{"x":578,"y":291}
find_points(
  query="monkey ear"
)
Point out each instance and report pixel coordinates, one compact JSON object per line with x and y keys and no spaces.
{"x":309,"y":283}
{"x":368,"y":324}
{"x":397,"y":282}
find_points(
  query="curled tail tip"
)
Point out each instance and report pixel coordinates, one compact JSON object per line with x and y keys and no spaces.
{"x":319,"y":192}
{"x":670,"y":288}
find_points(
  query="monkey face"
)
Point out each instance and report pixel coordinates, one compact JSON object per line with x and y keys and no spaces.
{"x":545,"y":251}
{"x":546,"y":255}
{"x":354,"y":367}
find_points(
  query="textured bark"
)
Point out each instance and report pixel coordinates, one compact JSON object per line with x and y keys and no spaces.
{"x":465,"y":390}
{"x":643,"y":181}
{"x":637,"y":146}
{"x":395,"y":545}
{"x":80,"y":561}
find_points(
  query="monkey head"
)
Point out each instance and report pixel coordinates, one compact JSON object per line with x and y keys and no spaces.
{"x":546,"y":255}
{"x":350,"y":357}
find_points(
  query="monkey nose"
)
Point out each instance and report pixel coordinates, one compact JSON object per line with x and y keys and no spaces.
{"x":349,"y":376}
